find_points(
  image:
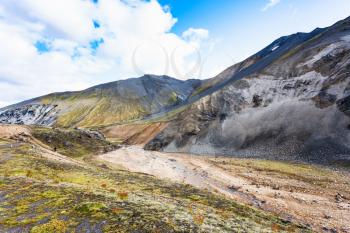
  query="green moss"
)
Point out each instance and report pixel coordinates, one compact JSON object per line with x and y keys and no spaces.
{"x":20,"y":209}
{"x":73,"y":143}
{"x":195,"y":197}
{"x":54,"y":225}
{"x":50,"y":194}
{"x":172,"y":99}
{"x":91,"y":207}
{"x":305,"y":172}
{"x":200,"y":90}
{"x":4,"y":141}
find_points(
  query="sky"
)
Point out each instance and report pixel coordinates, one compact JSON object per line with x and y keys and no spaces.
{"x":65,"y":45}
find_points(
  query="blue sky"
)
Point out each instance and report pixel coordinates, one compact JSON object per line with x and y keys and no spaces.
{"x":50,"y":46}
{"x":244,"y":27}
{"x":206,"y":13}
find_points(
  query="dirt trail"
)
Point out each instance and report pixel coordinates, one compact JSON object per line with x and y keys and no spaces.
{"x":316,"y":207}
{"x":185,"y":168}
{"x":8,"y":131}
{"x":51,"y":155}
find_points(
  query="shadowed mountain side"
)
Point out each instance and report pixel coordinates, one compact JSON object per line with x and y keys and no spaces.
{"x":291,"y":104}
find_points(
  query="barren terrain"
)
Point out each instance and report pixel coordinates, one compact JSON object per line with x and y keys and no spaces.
{"x":44,"y":187}
{"x":313,"y":195}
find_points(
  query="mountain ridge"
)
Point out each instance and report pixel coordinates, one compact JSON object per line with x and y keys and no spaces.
{"x":295,"y":108}
{"x":144,"y":95}
{"x":300,"y":81}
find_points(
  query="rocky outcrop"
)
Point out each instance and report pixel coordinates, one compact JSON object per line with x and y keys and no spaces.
{"x":38,"y":114}
{"x":344,"y":105}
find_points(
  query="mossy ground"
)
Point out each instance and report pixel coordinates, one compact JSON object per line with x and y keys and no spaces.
{"x":39,"y":195}
{"x":334,"y":177}
{"x":3,"y":141}
{"x":72,"y":142}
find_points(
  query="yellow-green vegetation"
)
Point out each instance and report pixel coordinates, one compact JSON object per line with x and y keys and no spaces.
{"x":3,"y":141}
{"x":172,"y":99}
{"x":201,"y":89}
{"x":288,"y":168}
{"x":311,"y":174}
{"x":301,"y":46}
{"x":57,"y":226}
{"x":87,"y":110}
{"x":110,"y":112}
{"x":72,"y":142}
{"x":90,"y":208}
{"x":285,"y":167}
{"x":115,"y":103}
{"x":115,"y":140}
{"x":57,"y":97}
{"x":73,"y":117}
{"x":168,"y":116}
{"x":102,"y":112}
{"x":59,"y":197}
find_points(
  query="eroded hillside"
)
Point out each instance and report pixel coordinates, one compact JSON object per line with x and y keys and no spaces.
{"x":297,"y":107}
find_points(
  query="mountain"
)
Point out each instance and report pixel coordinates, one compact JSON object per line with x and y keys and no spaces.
{"x":104,"y":104}
{"x":291,"y":100}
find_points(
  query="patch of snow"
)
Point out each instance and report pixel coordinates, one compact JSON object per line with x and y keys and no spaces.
{"x":275,"y":47}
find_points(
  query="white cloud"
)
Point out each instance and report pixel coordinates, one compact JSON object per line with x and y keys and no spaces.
{"x":133,"y":30}
{"x":64,"y":18}
{"x":195,"y":34}
{"x":270,"y":4}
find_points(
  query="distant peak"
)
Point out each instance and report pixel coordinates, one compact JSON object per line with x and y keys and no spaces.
{"x":347,"y":19}
{"x":156,"y":76}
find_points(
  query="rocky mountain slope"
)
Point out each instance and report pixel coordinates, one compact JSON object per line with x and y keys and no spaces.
{"x":289,"y":101}
{"x":104,"y":104}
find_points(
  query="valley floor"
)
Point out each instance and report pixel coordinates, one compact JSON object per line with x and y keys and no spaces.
{"x":42,"y":190}
{"x":53,"y":180}
{"x":313,"y":195}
